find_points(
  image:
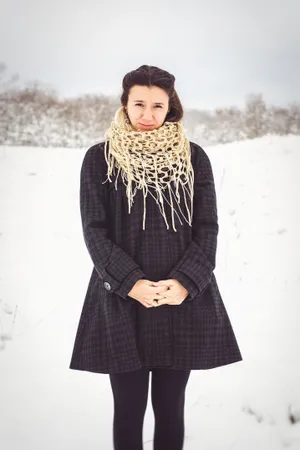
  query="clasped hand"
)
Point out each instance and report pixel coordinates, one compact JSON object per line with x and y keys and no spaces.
{"x":156,"y":293}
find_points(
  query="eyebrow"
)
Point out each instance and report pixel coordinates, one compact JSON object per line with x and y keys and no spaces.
{"x":142,"y":101}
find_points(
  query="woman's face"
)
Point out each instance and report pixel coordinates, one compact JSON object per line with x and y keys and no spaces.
{"x":147,"y":107}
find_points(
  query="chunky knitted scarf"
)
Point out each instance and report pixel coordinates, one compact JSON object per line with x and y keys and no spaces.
{"x":156,"y":161}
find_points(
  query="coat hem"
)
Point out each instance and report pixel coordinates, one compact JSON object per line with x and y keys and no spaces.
{"x":170,"y":367}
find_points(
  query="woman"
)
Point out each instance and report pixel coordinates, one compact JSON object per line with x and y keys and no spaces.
{"x":149,"y":216}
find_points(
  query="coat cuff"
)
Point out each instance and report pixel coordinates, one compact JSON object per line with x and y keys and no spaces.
{"x":195,"y":266}
{"x":128,"y":282}
{"x":124,"y":287}
{"x":187,"y":283}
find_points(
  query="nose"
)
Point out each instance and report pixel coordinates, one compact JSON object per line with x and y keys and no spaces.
{"x":147,"y":114}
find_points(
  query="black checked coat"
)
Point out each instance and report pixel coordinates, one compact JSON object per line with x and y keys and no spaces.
{"x":115,"y":332}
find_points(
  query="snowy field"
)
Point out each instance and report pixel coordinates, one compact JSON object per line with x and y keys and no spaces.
{"x":44,"y":271}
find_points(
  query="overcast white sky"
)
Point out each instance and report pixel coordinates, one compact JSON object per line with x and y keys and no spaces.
{"x":218,"y":50}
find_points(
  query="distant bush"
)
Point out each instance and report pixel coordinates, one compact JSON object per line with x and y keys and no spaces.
{"x":255,"y":120}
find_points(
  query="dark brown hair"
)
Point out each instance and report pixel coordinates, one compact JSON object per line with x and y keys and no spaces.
{"x":153,"y":76}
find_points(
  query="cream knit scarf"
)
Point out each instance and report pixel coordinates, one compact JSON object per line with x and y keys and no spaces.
{"x":152,"y":160}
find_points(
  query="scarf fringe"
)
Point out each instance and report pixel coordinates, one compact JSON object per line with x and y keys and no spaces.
{"x":144,"y":157}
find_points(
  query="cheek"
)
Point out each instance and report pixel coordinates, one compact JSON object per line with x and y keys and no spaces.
{"x":133,"y":115}
{"x":160,"y":116}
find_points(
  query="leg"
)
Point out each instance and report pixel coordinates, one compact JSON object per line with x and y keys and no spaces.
{"x":168,"y":397}
{"x":130,"y":392}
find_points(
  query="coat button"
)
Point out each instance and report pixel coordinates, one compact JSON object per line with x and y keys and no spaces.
{"x":107,"y":286}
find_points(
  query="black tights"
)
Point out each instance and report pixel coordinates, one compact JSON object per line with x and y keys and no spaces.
{"x":130,"y":393}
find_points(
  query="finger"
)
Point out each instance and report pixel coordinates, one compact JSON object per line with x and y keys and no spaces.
{"x":169,"y":301}
{"x":148,"y":282}
{"x":167,"y":294}
{"x":164,"y":302}
{"x":146,"y":302}
{"x":160,"y":283}
{"x":147,"y":305}
{"x":159,"y":289}
{"x":168,"y":282}
{"x":158,"y":297}
{"x":157,"y":304}
{"x":150,"y":297}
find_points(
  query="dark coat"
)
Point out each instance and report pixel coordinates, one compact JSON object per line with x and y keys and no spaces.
{"x":115,"y":332}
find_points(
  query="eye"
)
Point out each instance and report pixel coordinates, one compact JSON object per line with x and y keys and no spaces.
{"x":140,"y":104}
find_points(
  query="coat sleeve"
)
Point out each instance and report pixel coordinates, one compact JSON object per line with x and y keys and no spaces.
{"x":118,"y":271}
{"x":195,"y":268}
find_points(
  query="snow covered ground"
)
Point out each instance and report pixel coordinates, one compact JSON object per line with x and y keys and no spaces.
{"x":44,"y":271}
